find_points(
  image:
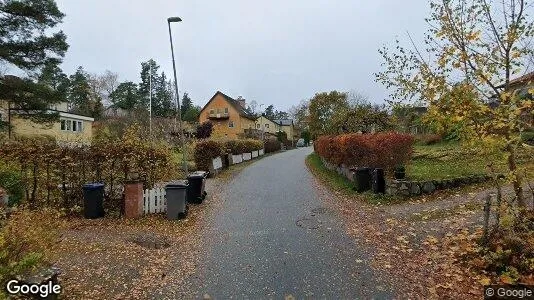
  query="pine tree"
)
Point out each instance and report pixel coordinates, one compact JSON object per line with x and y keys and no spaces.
{"x":24,"y":33}
{"x":187,"y":104}
{"x":149,"y":71}
{"x":125,"y":96}
{"x":162,"y":99}
{"x":27,"y":41}
{"x":80,"y":93}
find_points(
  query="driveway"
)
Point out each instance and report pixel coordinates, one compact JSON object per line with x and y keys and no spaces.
{"x":273,"y":237}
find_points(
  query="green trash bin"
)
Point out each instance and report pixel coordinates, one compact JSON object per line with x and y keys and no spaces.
{"x":93,"y":198}
{"x":197,"y":184}
{"x":176,"y":195}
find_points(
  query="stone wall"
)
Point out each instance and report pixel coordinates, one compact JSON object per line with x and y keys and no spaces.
{"x":408,"y":188}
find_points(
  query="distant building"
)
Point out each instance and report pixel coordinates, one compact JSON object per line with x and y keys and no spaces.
{"x":230,"y":117}
{"x":71,"y":128}
{"x":288,"y":126}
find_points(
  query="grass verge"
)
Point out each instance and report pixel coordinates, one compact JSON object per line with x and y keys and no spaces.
{"x":341,"y":184}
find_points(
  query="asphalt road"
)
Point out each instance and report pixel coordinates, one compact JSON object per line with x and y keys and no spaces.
{"x":273,"y":237}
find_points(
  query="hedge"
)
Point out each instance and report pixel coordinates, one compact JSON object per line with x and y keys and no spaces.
{"x":52,"y":174}
{"x":272,"y":146}
{"x":379,"y":150}
{"x":205,"y":152}
{"x":243,"y":146}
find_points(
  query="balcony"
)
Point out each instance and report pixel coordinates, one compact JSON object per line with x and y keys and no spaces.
{"x":218,"y":116}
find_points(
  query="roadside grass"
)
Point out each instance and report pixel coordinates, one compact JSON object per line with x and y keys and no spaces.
{"x":450,"y":160}
{"x":341,"y":184}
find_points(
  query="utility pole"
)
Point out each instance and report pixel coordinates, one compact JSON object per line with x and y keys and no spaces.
{"x":150,"y":101}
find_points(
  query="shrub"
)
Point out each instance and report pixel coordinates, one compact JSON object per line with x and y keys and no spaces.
{"x":272,"y":145}
{"x":528,"y":137}
{"x":204,"y":130}
{"x":11,"y":182}
{"x":428,"y":139}
{"x":252,"y":145}
{"x":26,"y":240}
{"x":205,"y":152}
{"x":380,"y":150}
{"x":235,"y":146}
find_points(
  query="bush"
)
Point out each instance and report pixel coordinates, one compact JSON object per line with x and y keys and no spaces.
{"x":235,"y":146}
{"x":204,"y":130}
{"x":11,"y":182}
{"x":272,"y":145}
{"x":528,"y":137}
{"x":380,"y":150}
{"x":252,"y":145}
{"x":428,"y":139}
{"x":26,"y":240}
{"x":205,"y":152}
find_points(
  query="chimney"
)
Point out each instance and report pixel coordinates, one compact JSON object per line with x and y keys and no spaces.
{"x":242,"y":102}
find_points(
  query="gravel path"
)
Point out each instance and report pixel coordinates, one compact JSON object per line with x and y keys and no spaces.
{"x":272,"y":237}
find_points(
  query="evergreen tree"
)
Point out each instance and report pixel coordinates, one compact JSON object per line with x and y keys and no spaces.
{"x":125,"y":96}
{"x":26,"y":37}
{"x":186,"y":104}
{"x":52,"y":76}
{"x":149,"y":71}
{"x":27,"y":41}
{"x":162,"y":98}
{"x":80,"y":93}
{"x":192,"y":114}
{"x":269,"y":112}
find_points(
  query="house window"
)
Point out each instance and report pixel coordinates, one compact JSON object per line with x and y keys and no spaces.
{"x":266,"y":125}
{"x":226,"y":110}
{"x":212,"y":111}
{"x":71,"y":125}
{"x":231,"y":124}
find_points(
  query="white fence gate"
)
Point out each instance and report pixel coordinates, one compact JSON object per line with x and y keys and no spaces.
{"x":154,"y":201}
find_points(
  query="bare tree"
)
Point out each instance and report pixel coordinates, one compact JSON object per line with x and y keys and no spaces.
{"x":102,"y":85}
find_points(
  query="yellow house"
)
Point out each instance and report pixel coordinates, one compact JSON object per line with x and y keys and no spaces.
{"x":230,"y":117}
{"x":267,"y":126}
{"x":71,"y":128}
{"x":288,"y":127}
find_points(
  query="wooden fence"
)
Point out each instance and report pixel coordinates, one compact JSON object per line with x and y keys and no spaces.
{"x":154,"y":201}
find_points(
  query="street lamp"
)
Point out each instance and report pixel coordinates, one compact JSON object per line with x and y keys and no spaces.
{"x":261,"y":125}
{"x":182,"y":139}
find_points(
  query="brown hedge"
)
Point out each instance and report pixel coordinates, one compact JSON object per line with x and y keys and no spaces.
{"x":380,"y":150}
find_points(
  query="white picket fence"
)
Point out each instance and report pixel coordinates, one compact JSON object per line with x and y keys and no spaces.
{"x":154,"y":201}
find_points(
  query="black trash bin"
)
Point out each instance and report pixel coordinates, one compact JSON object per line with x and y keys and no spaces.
{"x":93,"y":200}
{"x":379,"y":183}
{"x":176,"y":194}
{"x":362,"y":179}
{"x":196,"y":191}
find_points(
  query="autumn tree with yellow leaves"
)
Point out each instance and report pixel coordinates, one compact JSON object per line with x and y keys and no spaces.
{"x":473,"y":50}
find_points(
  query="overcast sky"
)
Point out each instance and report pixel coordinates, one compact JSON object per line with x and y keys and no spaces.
{"x":275,"y":52}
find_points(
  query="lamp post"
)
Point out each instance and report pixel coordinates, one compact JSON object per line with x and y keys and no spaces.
{"x":182,"y":139}
{"x":261,"y":125}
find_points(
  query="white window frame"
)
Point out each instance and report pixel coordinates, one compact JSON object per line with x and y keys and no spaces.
{"x":70,"y":125}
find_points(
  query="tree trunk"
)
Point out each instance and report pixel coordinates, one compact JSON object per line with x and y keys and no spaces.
{"x":516,"y":182}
